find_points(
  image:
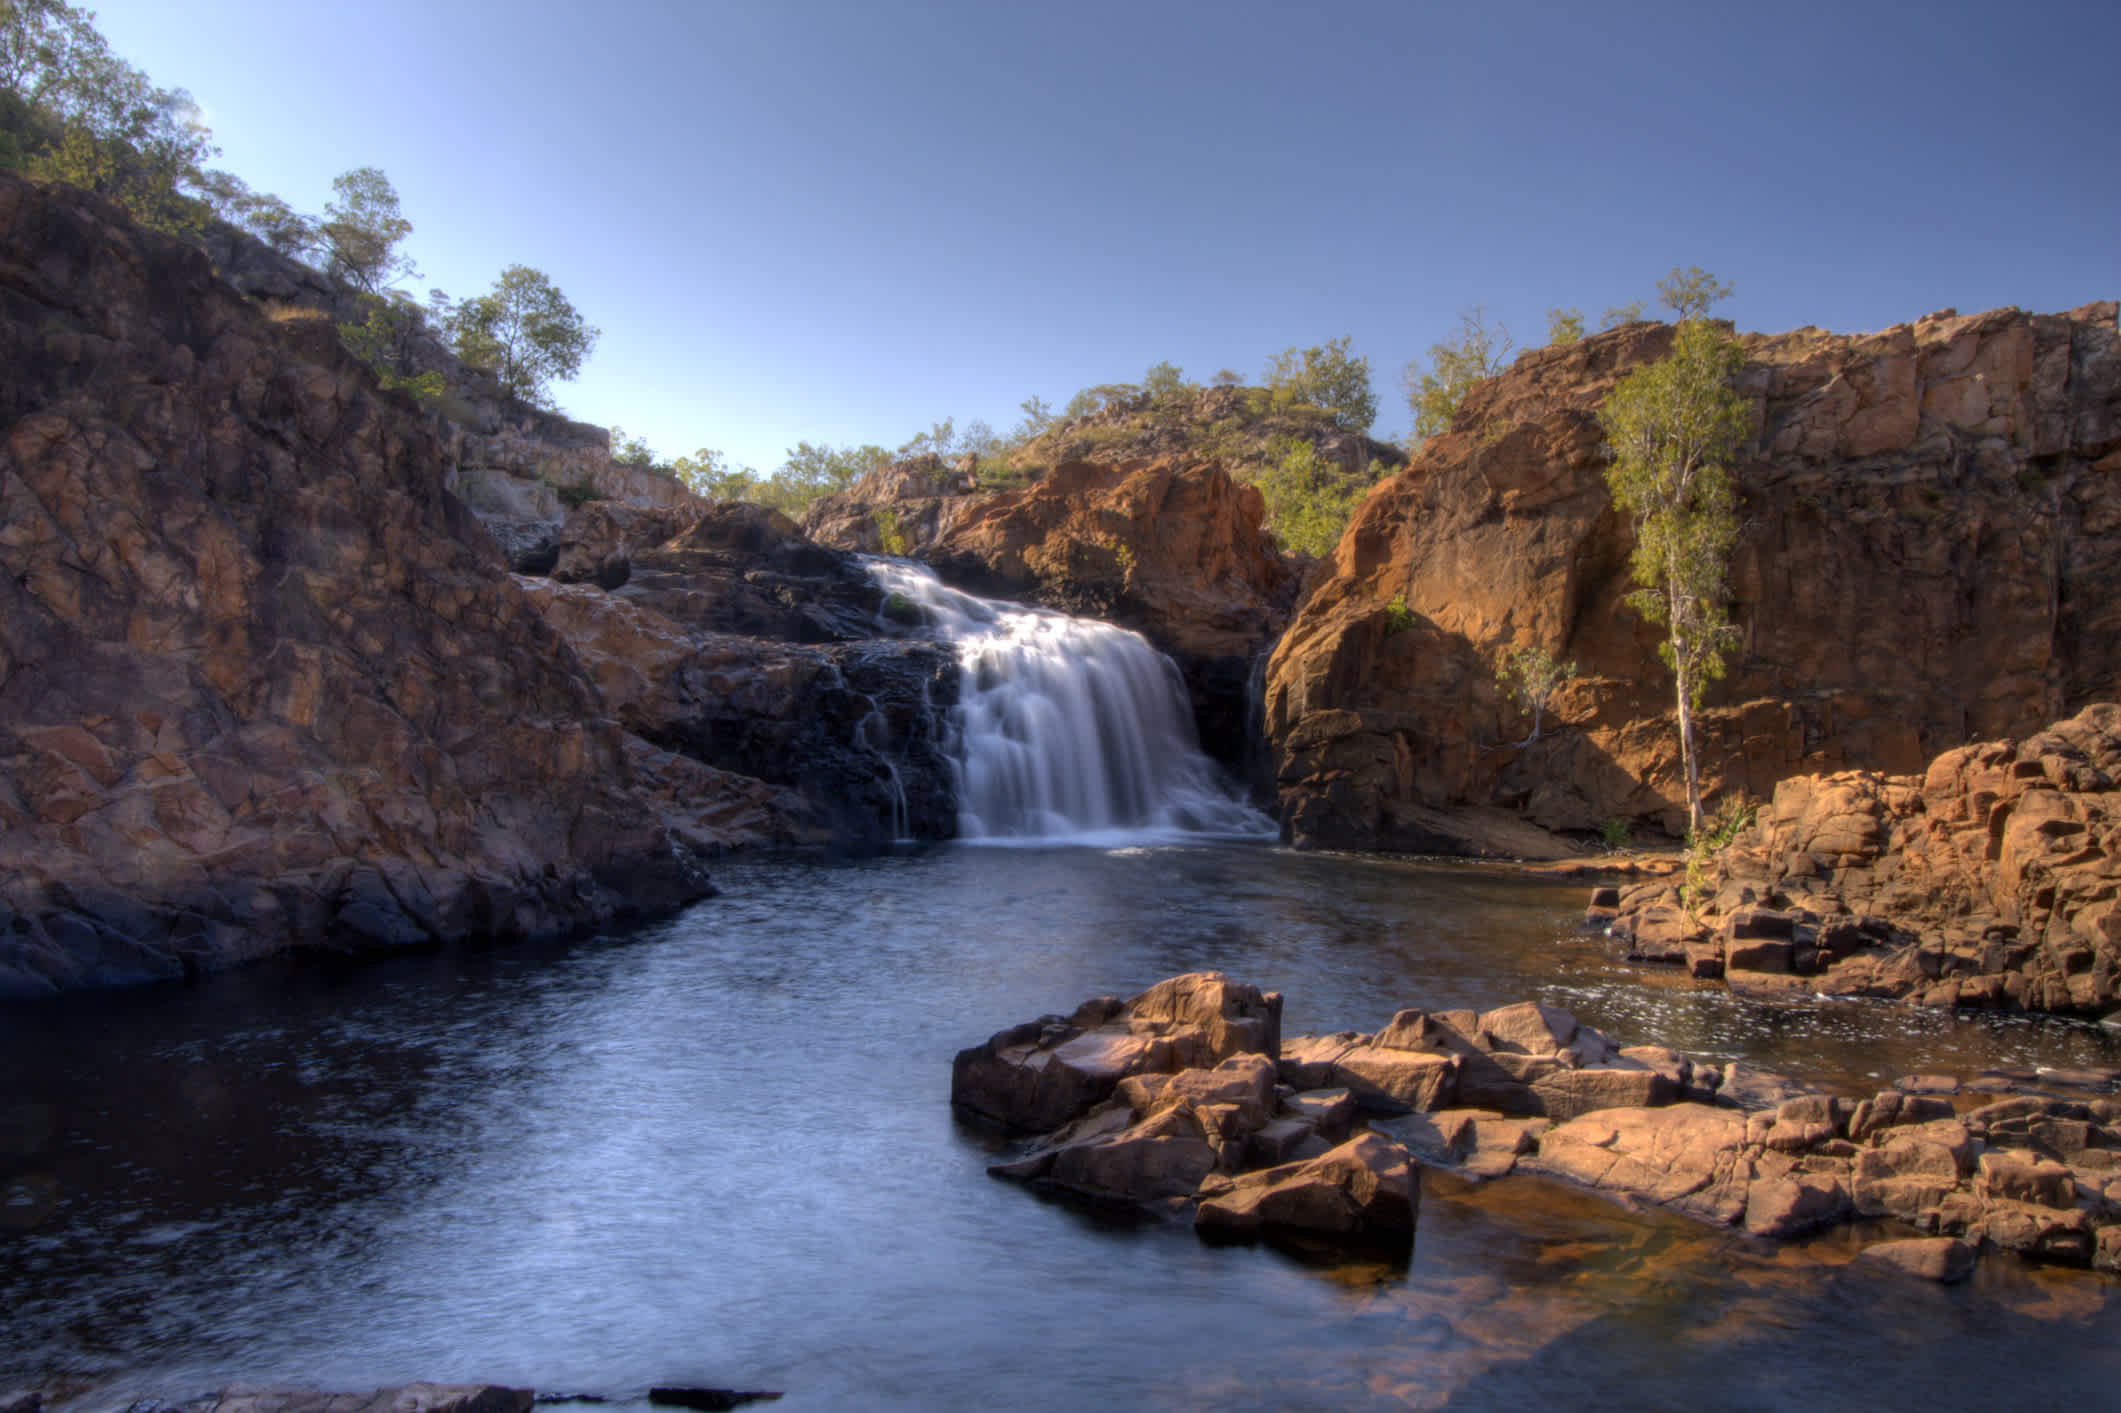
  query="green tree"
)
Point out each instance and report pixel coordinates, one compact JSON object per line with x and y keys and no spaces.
{"x":1038,"y":415}
{"x":1532,"y":676}
{"x":78,"y":113}
{"x":708,"y":475}
{"x":1435,"y":391}
{"x":1564,"y":326}
{"x":1617,"y":314}
{"x":262,"y":214}
{"x":1688,"y":293}
{"x":813,"y":471}
{"x":1327,"y":377}
{"x":1673,"y":427}
{"x":1165,"y":383}
{"x":1309,"y":498}
{"x":362,"y":229}
{"x":524,"y":333}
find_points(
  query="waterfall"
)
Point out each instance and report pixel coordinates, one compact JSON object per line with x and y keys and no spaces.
{"x":1067,"y":729}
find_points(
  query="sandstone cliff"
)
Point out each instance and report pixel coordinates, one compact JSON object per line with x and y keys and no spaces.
{"x":1170,"y":548}
{"x":262,"y":682}
{"x":1932,"y":532}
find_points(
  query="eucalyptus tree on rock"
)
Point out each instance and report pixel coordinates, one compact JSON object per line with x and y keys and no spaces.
{"x":1673,"y":427}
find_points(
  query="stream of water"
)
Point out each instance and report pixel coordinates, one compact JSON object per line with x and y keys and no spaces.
{"x":720,"y":1152}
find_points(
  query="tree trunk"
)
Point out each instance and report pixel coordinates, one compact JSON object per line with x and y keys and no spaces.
{"x":1687,"y":758}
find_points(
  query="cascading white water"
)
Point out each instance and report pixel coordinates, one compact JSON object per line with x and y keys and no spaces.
{"x":1067,"y":728}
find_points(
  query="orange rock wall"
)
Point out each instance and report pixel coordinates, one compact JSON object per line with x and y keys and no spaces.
{"x":1932,"y":530}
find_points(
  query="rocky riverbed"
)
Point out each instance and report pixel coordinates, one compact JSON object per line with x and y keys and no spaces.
{"x":1186,"y":1100}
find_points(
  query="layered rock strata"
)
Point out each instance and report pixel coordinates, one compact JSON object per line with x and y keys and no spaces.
{"x":1183,"y":1100}
{"x":263,"y":683}
{"x":1992,"y":880}
{"x":1932,"y":525}
{"x":1170,"y":548}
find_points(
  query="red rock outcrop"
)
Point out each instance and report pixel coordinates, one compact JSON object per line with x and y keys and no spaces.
{"x":1170,"y":548}
{"x":1932,"y":529}
{"x":262,"y":682}
{"x":1993,"y":880}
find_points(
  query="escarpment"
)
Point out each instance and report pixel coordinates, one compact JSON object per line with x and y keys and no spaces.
{"x":1931,"y":526}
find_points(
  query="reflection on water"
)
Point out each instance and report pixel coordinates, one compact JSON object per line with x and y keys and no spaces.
{"x":719,"y":1152}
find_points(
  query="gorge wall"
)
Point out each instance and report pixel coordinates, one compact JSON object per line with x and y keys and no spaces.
{"x":265,"y":683}
{"x":1932,"y":530}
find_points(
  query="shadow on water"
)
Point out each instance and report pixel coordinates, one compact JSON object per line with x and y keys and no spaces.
{"x":719,"y":1152}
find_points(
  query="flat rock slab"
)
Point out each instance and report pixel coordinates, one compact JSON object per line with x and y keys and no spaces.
{"x":1942,"y":1259}
{"x":1688,"y":1157}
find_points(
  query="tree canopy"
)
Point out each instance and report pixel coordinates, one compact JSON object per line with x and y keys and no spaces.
{"x":362,"y":229}
{"x":1688,"y":293}
{"x":1328,"y":377}
{"x":524,"y":333}
{"x":1673,"y":427}
{"x":1434,"y":391}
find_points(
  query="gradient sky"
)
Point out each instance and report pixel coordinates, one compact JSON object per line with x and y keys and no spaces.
{"x":841,"y":222}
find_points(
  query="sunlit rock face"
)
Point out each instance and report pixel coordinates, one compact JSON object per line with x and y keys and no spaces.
{"x":1931,"y":526}
{"x":262,"y":682}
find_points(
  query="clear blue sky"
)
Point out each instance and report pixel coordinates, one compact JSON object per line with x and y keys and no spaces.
{"x":842,"y":221}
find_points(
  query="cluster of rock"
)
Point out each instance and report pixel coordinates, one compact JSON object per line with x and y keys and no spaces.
{"x":1993,"y":880}
{"x":1933,"y":524}
{"x":1171,"y":548}
{"x":1185,"y":1100}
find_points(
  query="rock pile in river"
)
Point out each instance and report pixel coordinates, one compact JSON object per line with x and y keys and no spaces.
{"x":1993,"y":880}
{"x":1185,"y":1100}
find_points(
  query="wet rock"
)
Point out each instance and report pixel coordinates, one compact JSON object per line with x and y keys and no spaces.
{"x":1363,"y":1189}
{"x":1934,"y":1258}
{"x":1748,"y":1087}
{"x":709,"y":1400}
{"x":1788,"y":1206}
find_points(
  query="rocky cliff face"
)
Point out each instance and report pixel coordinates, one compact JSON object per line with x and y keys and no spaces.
{"x":1990,"y":880}
{"x":262,"y":683}
{"x":1932,"y":529}
{"x":1169,"y":548}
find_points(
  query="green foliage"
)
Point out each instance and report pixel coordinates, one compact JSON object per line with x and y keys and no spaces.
{"x":1309,"y":499}
{"x":1564,"y":326}
{"x":1733,"y":817}
{"x":386,"y":339}
{"x":1688,"y":293}
{"x":890,"y":531}
{"x":1617,"y":314}
{"x":1325,"y":376}
{"x":820,"y":470}
{"x":1532,"y":675}
{"x":74,"y":111}
{"x":633,"y":451}
{"x":263,"y":215}
{"x":1398,"y":617}
{"x":1227,"y":378}
{"x":362,"y":229}
{"x":1614,"y":833}
{"x":1165,"y":383}
{"x":575,"y":497}
{"x":523,"y":333}
{"x":709,"y":476}
{"x":900,"y":609}
{"x":1038,"y":416}
{"x":1434,"y":392}
{"x":1673,"y":426}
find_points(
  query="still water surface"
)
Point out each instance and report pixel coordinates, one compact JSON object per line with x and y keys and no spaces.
{"x":720,"y":1152}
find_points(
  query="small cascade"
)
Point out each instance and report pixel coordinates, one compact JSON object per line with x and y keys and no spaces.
{"x":1067,"y":728}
